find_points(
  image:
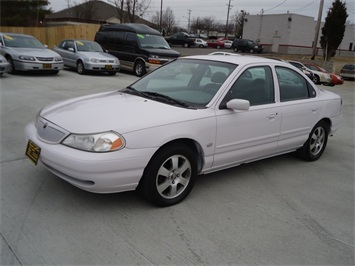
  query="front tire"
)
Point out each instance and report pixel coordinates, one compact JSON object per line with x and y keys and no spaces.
{"x":12,"y":69}
{"x":170,"y":175}
{"x":80,"y":67}
{"x":315,"y":145}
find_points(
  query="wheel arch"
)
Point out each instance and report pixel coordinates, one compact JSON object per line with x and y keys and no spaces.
{"x":192,"y":144}
{"x":328,"y":122}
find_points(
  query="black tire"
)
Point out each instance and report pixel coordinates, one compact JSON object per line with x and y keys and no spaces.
{"x":218,"y":47}
{"x":111,"y":73}
{"x":12,"y":69}
{"x":139,"y":68}
{"x":235,"y":49}
{"x":80,"y":67}
{"x":186,"y":45}
{"x":315,"y":145}
{"x":316,"y":79}
{"x":251,"y":51}
{"x":170,"y":175}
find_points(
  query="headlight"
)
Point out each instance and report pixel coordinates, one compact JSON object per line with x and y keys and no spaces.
{"x":94,"y":60}
{"x":27,"y":58}
{"x":58,"y":59}
{"x":101,"y":142}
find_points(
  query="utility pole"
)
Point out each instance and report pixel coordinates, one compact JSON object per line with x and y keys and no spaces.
{"x":188,"y":22}
{"x":316,"y":35}
{"x":229,"y":8}
{"x":161,"y":15}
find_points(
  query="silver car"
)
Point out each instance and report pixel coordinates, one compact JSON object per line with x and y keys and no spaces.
{"x":4,"y":65}
{"x":87,"y":56}
{"x":26,"y":53}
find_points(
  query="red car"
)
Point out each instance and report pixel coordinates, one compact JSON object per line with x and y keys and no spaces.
{"x":219,"y":43}
{"x":336,"y":79}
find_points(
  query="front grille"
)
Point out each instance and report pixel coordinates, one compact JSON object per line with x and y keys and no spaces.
{"x":49,"y":132}
{"x":45,"y":59}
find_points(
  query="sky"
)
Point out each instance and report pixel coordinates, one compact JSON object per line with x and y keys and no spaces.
{"x":218,"y":9}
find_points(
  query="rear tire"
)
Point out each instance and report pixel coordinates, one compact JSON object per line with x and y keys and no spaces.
{"x":315,"y":145}
{"x":139,"y":68}
{"x":170,"y":175}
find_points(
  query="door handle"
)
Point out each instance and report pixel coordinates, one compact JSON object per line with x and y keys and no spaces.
{"x":272,"y":116}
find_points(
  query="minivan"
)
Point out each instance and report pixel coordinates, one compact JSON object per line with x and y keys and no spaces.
{"x":138,"y":47}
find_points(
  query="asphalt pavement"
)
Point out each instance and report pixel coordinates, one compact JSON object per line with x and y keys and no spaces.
{"x":278,"y":211}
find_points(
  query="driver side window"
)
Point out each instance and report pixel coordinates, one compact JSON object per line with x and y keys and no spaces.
{"x":255,"y":85}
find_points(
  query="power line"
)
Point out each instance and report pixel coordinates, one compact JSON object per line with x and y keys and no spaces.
{"x":275,"y":6}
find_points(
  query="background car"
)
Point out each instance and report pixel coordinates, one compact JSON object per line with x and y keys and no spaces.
{"x":228,"y":44}
{"x":319,"y":77}
{"x":224,"y":53}
{"x":87,"y":56}
{"x":216,"y":43}
{"x":348,"y":71}
{"x":200,"y":43}
{"x":336,"y":79}
{"x":4,"y":65}
{"x":26,"y":53}
{"x":246,"y":45}
{"x":180,"y":38}
{"x":194,"y":115}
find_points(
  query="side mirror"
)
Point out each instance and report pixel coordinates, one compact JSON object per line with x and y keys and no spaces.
{"x":71,"y":49}
{"x":238,"y":105}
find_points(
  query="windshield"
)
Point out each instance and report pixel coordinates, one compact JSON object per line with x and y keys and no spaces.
{"x":152,"y":41}
{"x":189,"y":81}
{"x":87,"y":46}
{"x":22,"y":41}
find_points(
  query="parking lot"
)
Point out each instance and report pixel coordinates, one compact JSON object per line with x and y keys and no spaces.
{"x":278,"y":211}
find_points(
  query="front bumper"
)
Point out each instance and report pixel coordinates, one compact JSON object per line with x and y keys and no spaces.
{"x":100,"y":67}
{"x":4,"y":67}
{"x":95,"y":172}
{"x":38,"y":66}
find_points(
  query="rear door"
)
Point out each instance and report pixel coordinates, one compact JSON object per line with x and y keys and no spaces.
{"x":299,"y":106}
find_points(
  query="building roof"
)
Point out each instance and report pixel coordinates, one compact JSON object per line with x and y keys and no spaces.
{"x":93,"y":12}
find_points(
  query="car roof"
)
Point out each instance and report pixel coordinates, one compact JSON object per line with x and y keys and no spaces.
{"x":15,"y":34}
{"x":240,"y":60}
{"x":131,"y":27}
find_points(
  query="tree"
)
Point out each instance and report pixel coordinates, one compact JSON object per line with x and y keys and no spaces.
{"x":168,"y":22}
{"x":239,"y":19}
{"x":130,"y":10}
{"x":23,"y":12}
{"x":333,"y":29}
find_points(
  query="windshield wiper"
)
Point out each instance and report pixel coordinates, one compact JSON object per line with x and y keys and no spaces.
{"x":165,"y":97}
{"x":132,"y":90}
{"x":152,"y":95}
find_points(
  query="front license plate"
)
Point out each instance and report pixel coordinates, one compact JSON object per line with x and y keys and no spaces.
{"x":108,"y":67}
{"x":33,"y":151}
{"x":47,"y":66}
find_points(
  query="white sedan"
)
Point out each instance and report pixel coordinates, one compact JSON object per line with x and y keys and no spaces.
{"x":193,"y":116}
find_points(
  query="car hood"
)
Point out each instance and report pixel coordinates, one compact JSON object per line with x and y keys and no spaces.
{"x":33,"y":51}
{"x":163,"y":52}
{"x":116,"y":111}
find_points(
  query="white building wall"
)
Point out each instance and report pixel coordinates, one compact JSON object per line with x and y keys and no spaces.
{"x":290,"y":33}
